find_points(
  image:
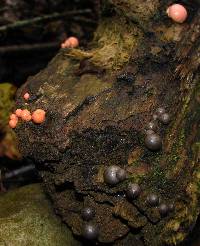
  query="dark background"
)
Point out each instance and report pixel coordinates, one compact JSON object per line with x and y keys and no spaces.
{"x":17,"y":64}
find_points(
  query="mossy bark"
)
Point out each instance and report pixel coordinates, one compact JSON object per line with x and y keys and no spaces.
{"x":94,"y":120}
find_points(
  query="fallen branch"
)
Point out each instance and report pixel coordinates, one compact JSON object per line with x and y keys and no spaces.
{"x":44,"y":18}
{"x":29,"y":47}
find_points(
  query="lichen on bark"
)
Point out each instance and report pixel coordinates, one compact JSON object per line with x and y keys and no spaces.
{"x":95,"y":120}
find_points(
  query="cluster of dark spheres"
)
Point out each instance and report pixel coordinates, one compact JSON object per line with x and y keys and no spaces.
{"x":152,"y":140}
{"x":90,"y":230}
{"x":133,"y":192}
{"x":114,"y":175}
{"x":154,"y":201}
{"x":125,"y":78}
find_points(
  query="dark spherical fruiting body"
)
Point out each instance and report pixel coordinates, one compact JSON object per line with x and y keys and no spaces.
{"x":160,"y":111}
{"x":153,"y":200}
{"x":163,"y":209}
{"x":110,"y":175}
{"x":125,"y":78}
{"x":87,"y":213}
{"x":152,"y":126}
{"x":155,"y":117}
{"x":133,"y":191}
{"x":171,"y":207}
{"x":121,"y":174}
{"x":114,"y":174}
{"x":90,"y":231}
{"x":165,"y":118}
{"x":153,"y":142}
{"x":149,"y":132}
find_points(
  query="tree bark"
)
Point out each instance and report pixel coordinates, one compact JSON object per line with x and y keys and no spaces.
{"x":99,"y":102}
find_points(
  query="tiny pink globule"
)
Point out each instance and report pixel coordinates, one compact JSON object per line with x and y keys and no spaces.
{"x":38,"y":116}
{"x":71,"y":42}
{"x":62,"y":45}
{"x":13,"y":123}
{"x":26,"y":96}
{"x":26,"y":115}
{"x":18,"y":112}
{"x":177,"y":13}
{"x":13,"y":117}
{"x":65,"y":44}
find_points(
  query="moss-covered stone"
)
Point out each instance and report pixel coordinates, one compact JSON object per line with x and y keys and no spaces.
{"x":27,"y":218}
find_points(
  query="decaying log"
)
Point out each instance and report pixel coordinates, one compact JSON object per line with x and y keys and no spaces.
{"x":99,"y":101}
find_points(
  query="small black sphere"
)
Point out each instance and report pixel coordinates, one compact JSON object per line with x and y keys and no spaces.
{"x":171,"y":207}
{"x":149,"y":132}
{"x":121,"y":174}
{"x":125,"y":77}
{"x":155,"y":117}
{"x":90,"y":231}
{"x":153,"y":200}
{"x":153,"y":142}
{"x":152,"y":126}
{"x":110,"y":175}
{"x":88,"y":213}
{"x":160,"y":111}
{"x":165,"y":118}
{"x":133,"y":191}
{"x":163,"y":209}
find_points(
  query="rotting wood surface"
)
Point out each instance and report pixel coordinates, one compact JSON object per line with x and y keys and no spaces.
{"x":95,"y":120}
